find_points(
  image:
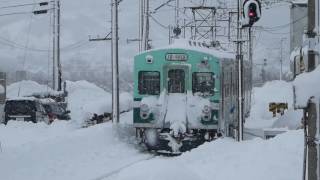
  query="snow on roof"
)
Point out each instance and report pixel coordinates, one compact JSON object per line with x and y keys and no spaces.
{"x":307,"y":85}
{"x":22,"y":99}
{"x":299,"y":2}
{"x":197,"y":46}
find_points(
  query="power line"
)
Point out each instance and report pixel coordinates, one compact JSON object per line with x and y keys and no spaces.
{"x":23,"y":5}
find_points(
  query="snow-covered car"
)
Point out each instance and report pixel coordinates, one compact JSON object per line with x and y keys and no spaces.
{"x":56,"y":111}
{"x":25,"y":109}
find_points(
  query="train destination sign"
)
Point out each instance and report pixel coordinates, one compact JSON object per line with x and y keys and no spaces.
{"x":176,"y":57}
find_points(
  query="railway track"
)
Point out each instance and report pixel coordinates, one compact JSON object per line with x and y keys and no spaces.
{"x":118,"y":170}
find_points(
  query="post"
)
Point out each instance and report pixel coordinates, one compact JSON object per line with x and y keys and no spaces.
{"x":54,"y":63}
{"x":115,"y":66}
{"x":240,"y":69}
{"x":59,"y":88}
{"x":281,"y":58}
{"x":310,"y":33}
{"x":312,"y":146}
{"x":145,"y":36}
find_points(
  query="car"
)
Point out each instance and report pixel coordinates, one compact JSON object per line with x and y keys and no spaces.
{"x":56,"y":110}
{"x":25,"y":109}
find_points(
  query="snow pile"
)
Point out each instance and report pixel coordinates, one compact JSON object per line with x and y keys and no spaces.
{"x":25,"y":88}
{"x":38,"y":151}
{"x":228,"y":160}
{"x":17,"y":133}
{"x":307,"y":85}
{"x":85,"y":99}
{"x":275,"y":91}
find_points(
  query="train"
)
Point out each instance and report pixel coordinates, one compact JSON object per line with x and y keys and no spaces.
{"x":186,"y":94}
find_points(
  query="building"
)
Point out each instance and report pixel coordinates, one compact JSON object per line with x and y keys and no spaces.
{"x":299,"y":23}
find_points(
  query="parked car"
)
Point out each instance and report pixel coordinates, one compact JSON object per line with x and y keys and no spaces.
{"x":56,"y":110}
{"x":25,"y":109}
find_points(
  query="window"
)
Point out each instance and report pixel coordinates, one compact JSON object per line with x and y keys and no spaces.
{"x":149,"y":82}
{"x":203,"y":83}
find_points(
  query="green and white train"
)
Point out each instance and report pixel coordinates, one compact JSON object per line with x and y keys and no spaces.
{"x":186,"y":94}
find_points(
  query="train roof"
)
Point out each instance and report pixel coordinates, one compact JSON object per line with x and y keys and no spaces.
{"x":197,"y":46}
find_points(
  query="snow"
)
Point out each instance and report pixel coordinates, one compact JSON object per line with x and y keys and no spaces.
{"x":184,"y":44}
{"x":176,"y":113}
{"x":84,"y":98}
{"x":275,"y":91}
{"x":25,"y":88}
{"x":307,"y":85}
{"x":2,"y":89}
{"x":228,"y":160}
{"x":106,"y":151}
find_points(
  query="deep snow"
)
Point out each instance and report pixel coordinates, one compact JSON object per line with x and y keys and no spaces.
{"x":62,"y":151}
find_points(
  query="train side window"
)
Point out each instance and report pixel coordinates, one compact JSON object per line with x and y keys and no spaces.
{"x":203,"y":82}
{"x":149,"y":82}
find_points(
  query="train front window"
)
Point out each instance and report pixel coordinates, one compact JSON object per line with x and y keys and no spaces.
{"x":149,"y":82}
{"x":203,"y":83}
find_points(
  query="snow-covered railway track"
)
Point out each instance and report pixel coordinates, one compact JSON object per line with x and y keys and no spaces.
{"x":118,"y":170}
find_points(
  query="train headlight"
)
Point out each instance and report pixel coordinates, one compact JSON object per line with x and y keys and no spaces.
{"x":144,"y":111}
{"x":206,"y":113}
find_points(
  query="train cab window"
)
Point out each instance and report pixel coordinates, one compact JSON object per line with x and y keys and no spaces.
{"x":149,"y":82}
{"x":203,"y":83}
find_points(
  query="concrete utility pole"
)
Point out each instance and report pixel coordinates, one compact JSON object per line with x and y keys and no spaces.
{"x":240,"y":75}
{"x":312,"y":164}
{"x":57,"y":72}
{"x":145,"y":29}
{"x":115,"y":63}
{"x":311,"y":141}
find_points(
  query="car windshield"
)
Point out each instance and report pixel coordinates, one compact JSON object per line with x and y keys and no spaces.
{"x":20,"y":107}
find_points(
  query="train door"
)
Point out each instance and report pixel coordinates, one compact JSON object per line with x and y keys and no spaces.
{"x":176,"y":81}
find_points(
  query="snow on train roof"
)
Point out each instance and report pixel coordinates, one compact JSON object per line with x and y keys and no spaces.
{"x":197,"y":46}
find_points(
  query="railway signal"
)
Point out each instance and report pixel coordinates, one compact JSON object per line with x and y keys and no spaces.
{"x":251,"y":12}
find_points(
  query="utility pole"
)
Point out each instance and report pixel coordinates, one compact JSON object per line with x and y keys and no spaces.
{"x":115,"y":63}
{"x":58,"y":48}
{"x":145,"y":29}
{"x":57,"y":72}
{"x":240,"y":75}
{"x":312,"y":151}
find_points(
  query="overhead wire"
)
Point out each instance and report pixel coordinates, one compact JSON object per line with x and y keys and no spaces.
{"x":27,"y":44}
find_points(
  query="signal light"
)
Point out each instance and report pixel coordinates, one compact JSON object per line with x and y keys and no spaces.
{"x":251,"y":12}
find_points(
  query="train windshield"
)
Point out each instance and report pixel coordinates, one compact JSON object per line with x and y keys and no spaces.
{"x":203,"y":82}
{"x":149,"y":82}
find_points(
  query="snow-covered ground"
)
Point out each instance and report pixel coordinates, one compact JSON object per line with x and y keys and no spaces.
{"x":39,"y":151}
{"x":62,"y":151}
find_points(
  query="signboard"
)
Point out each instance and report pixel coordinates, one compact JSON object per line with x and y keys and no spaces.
{"x":176,"y":57}
{"x":3,"y":87}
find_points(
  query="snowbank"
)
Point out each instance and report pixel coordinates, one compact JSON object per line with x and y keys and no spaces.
{"x":25,"y":88}
{"x":86,"y":98}
{"x":228,"y":160}
{"x":275,"y":91}
{"x":38,"y":151}
{"x":307,"y":85}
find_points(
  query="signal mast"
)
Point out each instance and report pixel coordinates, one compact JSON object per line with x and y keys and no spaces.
{"x":249,"y":12}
